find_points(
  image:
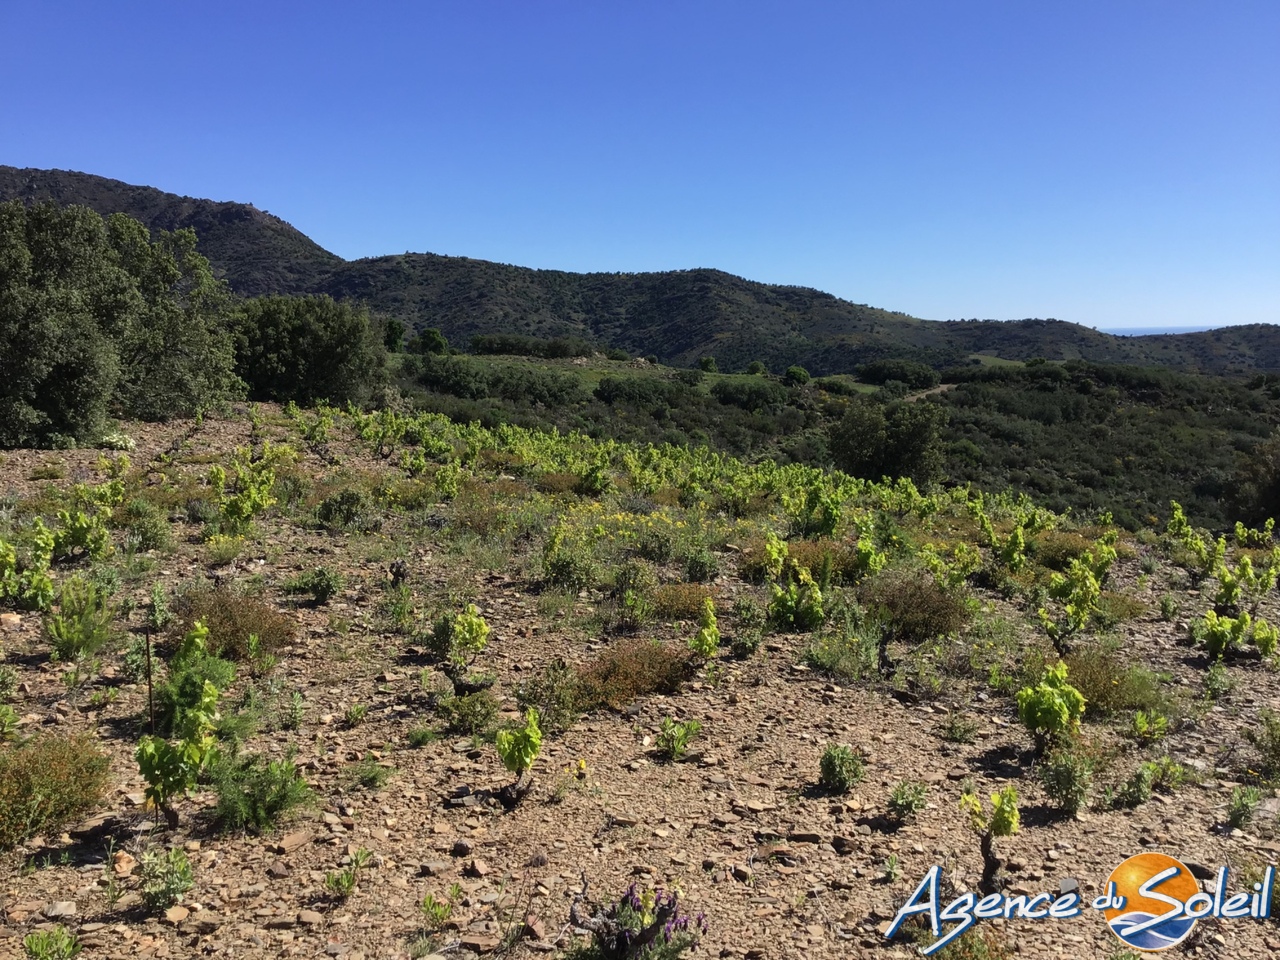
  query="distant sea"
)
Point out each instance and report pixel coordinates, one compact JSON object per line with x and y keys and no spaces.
{"x":1149,"y":331}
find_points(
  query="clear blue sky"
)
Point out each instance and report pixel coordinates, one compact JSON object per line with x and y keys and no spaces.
{"x":1113,"y":163}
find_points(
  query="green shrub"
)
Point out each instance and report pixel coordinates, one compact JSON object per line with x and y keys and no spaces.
{"x":182,"y":689}
{"x":146,"y":529}
{"x":958,"y":728}
{"x":322,"y":583}
{"x":840,"y":768}
{"x":47,"y":783}
{"x":421,"y":735}
{"x":166,"y":877}
{"x":518,"y":746}
{"x":348,"y":510}
{"x":55,"y":944}
{"x":82,"y":625}
{"x":1066,"y":775}
{"x":568,"y":562}
{"x":1112,"y":686}
{"x":674,"y":736}
{"x":459,"y":638}
{"x":1265,"y":738}
{"x":371,"y":774}
{"x":473,"y":713}
{"x":797,"y":603}
{"x":254,"y":793}
{"x":701,"y":564}
{"x":796,"y":376}
{"x":554,"y":695}
{"x":1217,"y":682}
{"x":1051,"y":710}
{"x":706,"y":642}
{"x":850,"y":654}
{"x":1244,"y":801}
{"x":907,"y":799}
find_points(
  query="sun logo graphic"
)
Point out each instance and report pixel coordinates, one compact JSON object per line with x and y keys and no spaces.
{"x":1149,"y":902}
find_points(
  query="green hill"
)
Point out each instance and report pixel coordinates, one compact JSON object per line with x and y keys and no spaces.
{"x":677,"y":316}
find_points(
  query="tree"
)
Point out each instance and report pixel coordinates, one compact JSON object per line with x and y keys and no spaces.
{"x":393,"y":334}
{"x":307,"y":349}
{"x":756,"y":368}
{"x":430,"y":340}
{"x":902,"y":440}
{"x":178,"y":355}
{"x":95,"y":318}
{"x":62,"y":296}
{"x":1257,"y":482}
{"x":707,"y":364}
{"x":796,"y":376}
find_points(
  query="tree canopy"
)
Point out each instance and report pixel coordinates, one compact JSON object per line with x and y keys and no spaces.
{"x":97,"y":318}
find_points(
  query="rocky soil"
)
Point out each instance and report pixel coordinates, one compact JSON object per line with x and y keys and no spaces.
{"x":779,"y":868}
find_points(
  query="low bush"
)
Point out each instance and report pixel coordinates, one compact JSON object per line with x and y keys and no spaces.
{"x":473,"y":714}
{"x":701,"y":564}
{"x":166,"y":877}
{"x":555,"y":695}
{"x":674,"y":736}
{"x":679,"y":601}
{"x":907,"y":799}
{"x":850,"y":654}
{"x":47,"y":783}
{"x":627,"y":671}
{"x":348,"y":510}
{"x":182,"y":688}
{"x":254,"y":793}
{"x":840,"y":768}
{"x":82,"y":624}
{"x":1066,"y":775}
{"x":232,"y":618}
{"x":1265,"y":738}
{"x":1115,"y":608}
{"x":53,"y":944}
{"x":1056,"y":549}
{"x":1111,"y":686}
{"x":912,"y":605}
{"x":322,"y":583}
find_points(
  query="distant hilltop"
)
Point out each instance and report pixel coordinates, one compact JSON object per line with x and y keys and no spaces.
{"x":677,"y":316}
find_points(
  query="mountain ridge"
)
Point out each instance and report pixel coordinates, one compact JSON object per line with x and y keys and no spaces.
{"x":677,"y":316}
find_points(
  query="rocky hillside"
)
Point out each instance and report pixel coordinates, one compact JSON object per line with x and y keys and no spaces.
{"x":677,"y":316}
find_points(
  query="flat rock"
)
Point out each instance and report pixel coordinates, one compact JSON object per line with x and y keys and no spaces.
{"x":293,"y":841}
{"x":61,"y":908}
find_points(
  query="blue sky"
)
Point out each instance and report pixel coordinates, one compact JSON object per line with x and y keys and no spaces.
{"x":1112,"y":163}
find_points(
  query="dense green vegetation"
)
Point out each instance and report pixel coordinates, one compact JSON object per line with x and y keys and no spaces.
{"x":1122,"y":439}
{"x":94,"y":316}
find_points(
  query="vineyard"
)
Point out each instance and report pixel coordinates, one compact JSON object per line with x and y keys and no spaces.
{"x":325,"y":682}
